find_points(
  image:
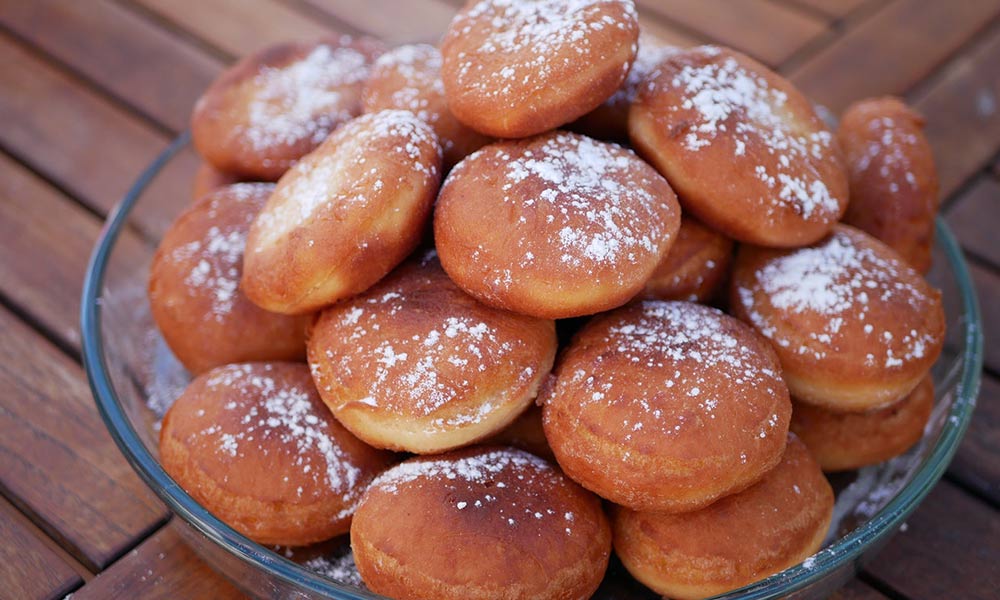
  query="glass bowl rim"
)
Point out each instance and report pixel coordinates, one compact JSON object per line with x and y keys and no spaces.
{"x":847,"y":548}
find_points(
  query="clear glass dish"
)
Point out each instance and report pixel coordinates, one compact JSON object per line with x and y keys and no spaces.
{"x":134,"y":377}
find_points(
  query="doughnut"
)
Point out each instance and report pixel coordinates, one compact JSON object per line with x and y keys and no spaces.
{"x":744,"y":150}
{"x":194,"y":293}
{"x":254,"y":444}
{"x":416,"y":364}
{"x":854,"y":326}
{"x":771,"y":526}
{"x":526,"y":433}
{"x":517,"y":68}
{"x":555,"y":226}
{"x":275,"y":106}
{"x":666,"y":406}
{"x":845,"y":441}
{"x":409,"y":78}
{"x":345,"y":215}
{"x":208,"y":179}
{"x":477,"y":524}
{"x":894,"y":184}
{"x":695,"y":268}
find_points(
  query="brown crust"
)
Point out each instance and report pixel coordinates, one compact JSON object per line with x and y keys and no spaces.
{"x":208,"y":179}
{"x":855,"y":327}
{"x":204,"y":317}
{"x":517,"y":69}
{"x":894,"y":183}
{"x":845,"y":441}
{"x":758,"y":166}
{"x":695,"y":268}
{"x":245,"y":123}
{"x":743,"y":538}
{"x":555,"y":226}
{"x":480,"y":524}
{"x":416,"y":364}
{"x":526,"y":433}
{"x":409,"y":78}
{"x":254,"y":444}
{"x":666,"y":406}
{"x":345,"y":215}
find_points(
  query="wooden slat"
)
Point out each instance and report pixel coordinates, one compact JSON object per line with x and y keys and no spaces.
{"x":59,"y":464}
{"x":768,"y":31}
{"x":977,"y":463}
{"x":889,"y":52}
{"x":857,"y":590}
{"x":161,"y":567}
{"x":122,"y":52}
{"x":80,"y":141}
{"x":238,"y":27}
{"x":392,"y":21}
{"x":973,"y":217}
{"x":987,"y":282}
{"x":951,"y":549}
{"x":28,"y":567}
{"x":668,"y":33}
{"x":834,"y":8}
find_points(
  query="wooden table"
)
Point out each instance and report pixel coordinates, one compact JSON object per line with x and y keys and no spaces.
{"x":92,"y":90}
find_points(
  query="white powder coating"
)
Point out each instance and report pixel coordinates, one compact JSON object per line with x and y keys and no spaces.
{"x":422,"y":91}
{"x":304,"y":100}
{"x":647,"y":58}
{"x":532,"y":37}
{"x":340,"y":569}
{"x":724,"y":99}
{"x":268,"y":409}
{"x":888,"y":148}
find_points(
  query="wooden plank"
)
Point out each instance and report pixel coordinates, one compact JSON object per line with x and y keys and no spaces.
{"x":857,"y":590}
{"x":122,"y":52}
{"x":238,"y":27}
{"x":837,"y":9}
{"x":987,"y":282}
{"x":80,"y":141}
{"x":392,"y":21}
{"x":977,"y":463}
{"x":59,"y":464}
{"x":665,"y":32}
{"x":889,"y":52}
{"x":28,"y":567}
{"x":974,"y":216}
{"x":162,"y":567}
{"x":951,"y":549}
{"x":768,"y":31}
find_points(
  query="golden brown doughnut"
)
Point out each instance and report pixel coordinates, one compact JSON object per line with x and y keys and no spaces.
{"x":515,"y":68}
{"x":208,"y":179}
{"x":345,"y":215}
{"x":854,"y":326}
{"x":277,"y":105}
{"x":744,"y":150}
{"x":254,"y":444}
{"x":416,"y":364}
{"x":743,"y":538}
{"x":409,"y":78}
{"x":894,"y":184}
{"x":479,"y":524}
{"x":194,"y":293}
{"x":555,"y":226}
{"x":845,"y":441}
{"x":696,"y":266}
{"x":666,"y":406}
{"x":526,"y":433}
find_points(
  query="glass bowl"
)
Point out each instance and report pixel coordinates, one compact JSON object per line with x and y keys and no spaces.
{"x":134,"y":378}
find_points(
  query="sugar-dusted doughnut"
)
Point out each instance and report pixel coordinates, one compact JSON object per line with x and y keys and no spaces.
{"x":666,"y":406}
{"x":695,"y":268}
{"x":208,"y":179}
{"x":478,"y":524}
{"x":276,"y":105}
{"x":894,"y":183}
{"x":254,"y":444}
{"x":845,"y":441}
{"x":416,"y":364}
{"x":772,"y":525}
{"x":526,"y":433}
{"x":515,"y":68}
{"x":345,"y":215}
{"x":194,"y":293}
{"x":409,"y":78}
{"x":854,"y":326}
{"x":744,"y":150}
{"x":555,"y":226}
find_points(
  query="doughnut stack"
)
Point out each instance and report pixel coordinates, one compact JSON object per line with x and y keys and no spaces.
{"x":550,"y":290}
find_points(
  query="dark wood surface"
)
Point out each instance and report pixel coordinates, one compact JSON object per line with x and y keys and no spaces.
{"x":91,"y":92}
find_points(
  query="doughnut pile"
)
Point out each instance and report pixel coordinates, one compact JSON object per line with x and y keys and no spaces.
{"x":594,"y":290}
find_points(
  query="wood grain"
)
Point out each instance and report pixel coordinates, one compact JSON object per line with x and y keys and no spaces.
{"x":977,"y":463}
{"x":162,"y":567}
{"x":973,"y":217}
{"x":392,"y":21}
{"x":59,"y":465}
{"x":832,"y":8}
{"x":28,"y":567}
{"x":857,"y":590}
{"x":987,"y":282}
